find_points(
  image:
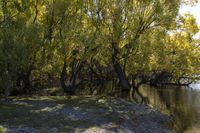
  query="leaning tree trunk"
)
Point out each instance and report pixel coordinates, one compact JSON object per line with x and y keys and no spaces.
{"x":135,"y":89}
{"x":123,"y":80}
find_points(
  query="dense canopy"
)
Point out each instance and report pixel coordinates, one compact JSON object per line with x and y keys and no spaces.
{"x":84,"y":45}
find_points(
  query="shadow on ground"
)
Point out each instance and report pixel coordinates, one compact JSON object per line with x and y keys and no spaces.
{"x":78,"y":114}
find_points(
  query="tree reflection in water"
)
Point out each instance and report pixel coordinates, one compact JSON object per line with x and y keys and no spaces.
{"x":183,"y":104}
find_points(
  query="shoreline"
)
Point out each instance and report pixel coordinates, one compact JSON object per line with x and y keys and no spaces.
{"x":84,"y":114}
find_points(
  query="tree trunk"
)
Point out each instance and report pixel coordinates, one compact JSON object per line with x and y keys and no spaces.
{"x":135,"y":88}
{"x":123,"y":80}
{"x":27,"y":83}
{"x":71,"y":87}
{"x":63,"y":78}
{"x":6,"y":94}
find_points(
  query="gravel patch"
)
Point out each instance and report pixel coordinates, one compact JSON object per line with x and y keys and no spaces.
{"x":118,"y":116}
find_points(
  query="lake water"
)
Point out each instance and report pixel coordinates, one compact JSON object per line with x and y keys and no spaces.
{"x":183,"y":104}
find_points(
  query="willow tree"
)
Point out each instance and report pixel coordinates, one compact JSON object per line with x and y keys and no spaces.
{"x":20,"y":41}
{"x":8,"y":48}
{"x":64,"y":27}
{"x":123,"y":41}
{"x":184,"y":57}
{"x":121,"y":24}
{"x":168,"y":57}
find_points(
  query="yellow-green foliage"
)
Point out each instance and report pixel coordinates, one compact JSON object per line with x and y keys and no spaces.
{"x":2,"y":129}
{"x":37,"y":36}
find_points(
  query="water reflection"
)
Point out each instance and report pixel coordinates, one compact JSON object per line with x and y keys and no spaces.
{"x":182,"y":103}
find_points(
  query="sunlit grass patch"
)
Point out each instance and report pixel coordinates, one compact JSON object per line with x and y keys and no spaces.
{"x":2,"y":129}
{"x":53,"y":91}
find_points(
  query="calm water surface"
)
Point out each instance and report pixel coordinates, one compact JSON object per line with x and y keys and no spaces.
{"x":183,"y":104}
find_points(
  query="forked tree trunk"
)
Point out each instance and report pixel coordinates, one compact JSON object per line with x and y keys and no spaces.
{"x":72,"y":84}
{"x":123,"y":80}
{"x":63,"y":78}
